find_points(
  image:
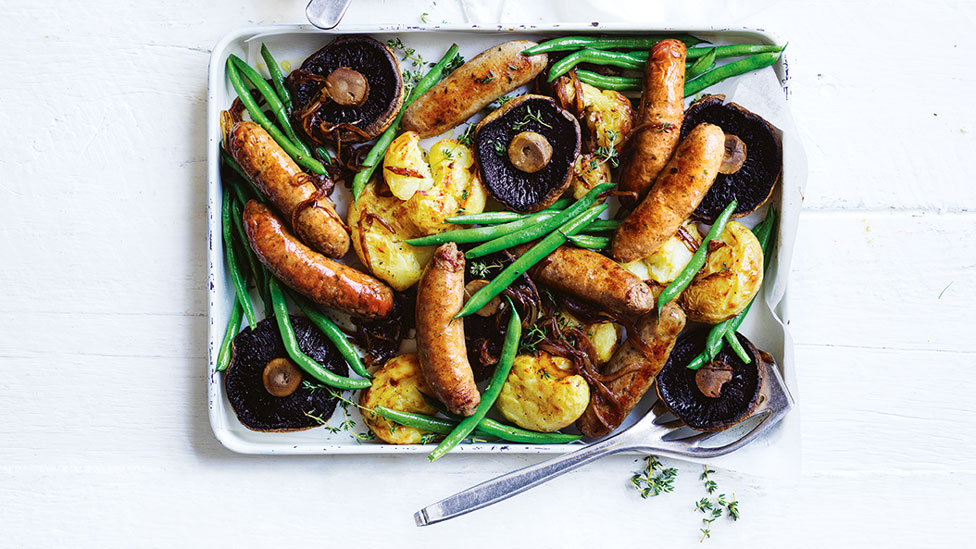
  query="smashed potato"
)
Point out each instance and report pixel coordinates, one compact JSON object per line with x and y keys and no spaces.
{"x":541,"y":395}
{"x":607,"y":114}
{"x":667,"y":262}
{"x":397,"y":386}
{"x":378,"y":234}
{"x":731,"y":277}
{"x":405,"y":168}
{"x":604,"y":336}
{"x":457,"y":189}
{"x":588,"y":172}
{"x":380,"y":224}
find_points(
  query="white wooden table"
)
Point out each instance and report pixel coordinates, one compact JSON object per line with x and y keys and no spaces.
{"x":104,"y":439}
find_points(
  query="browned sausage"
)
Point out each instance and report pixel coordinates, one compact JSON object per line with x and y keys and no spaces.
{"x":290,"y":190}
{"x":323,"y":280}
{"x":631,"y":371}
{"x":659,"y":116}
{"x":675,"y":194}
{"x":593,"y":277}
{"x":491,"y":74}
{"x":440,"y":336}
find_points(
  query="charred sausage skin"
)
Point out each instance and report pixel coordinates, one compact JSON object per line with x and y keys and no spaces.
{"x":595,"y":278}
{"x":659,"y":115}
{"x":491,"y":74}
{"x":440,"y":336}
{"x":676,"y":193}
{"x":632,"y":370}
{"x":323,"y":280}
{"x":290,"y":190}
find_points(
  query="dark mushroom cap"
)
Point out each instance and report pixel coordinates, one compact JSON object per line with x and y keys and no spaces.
{"x":518,"y":190}
{"x":678,"y":388}
{"x":317,"y":116}
{"x":753,"y":183}
{"x":255,"y":407}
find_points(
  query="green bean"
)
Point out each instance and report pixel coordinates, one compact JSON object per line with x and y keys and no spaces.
{"x":737,"y":347}
{"x":532,"y":256}
{"x":602,"y":225}
{"x":735,"y":68}
{"x":493,"y":218}
{"x":223,"y":357}
{"x":293,"y":150}
{"x":226,"y":225}
{"x":609,"y":82}
{"x":481,"y":234}
{"x":255,"y":78}
{"x":437,"y":425}
{"x":302,"y":360}
{"x":535,"y":231}
{"x":335,"y":335}
{"x":324,"y":154}
{"x":713,"y":343}
{"x":375,"y":156}
{"x":570,"y":43}
{"x":598,"y":57}
{"x":513,"y":335}
{"x":277,"y":78}
{"x":697,"y":260}
{"x":510,"y":433}
{"x":721,"y":52}
{"x":704,"y":63}
{"x":590,"y":242}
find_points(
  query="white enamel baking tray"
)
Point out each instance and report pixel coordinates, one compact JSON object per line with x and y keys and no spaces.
{"x":762,"y":92}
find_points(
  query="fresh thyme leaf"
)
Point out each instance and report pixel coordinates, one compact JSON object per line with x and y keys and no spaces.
{"x":318,"y":419}
{"x":529,"y":117}
{"x":425,"y":17}
{"x":532,"y":338}
{"x":488,"y":77}
{"x":427,"y":438}
{"x":500,"y":149}
{"x":655,"y":479}
{"x":312,"y":387}
{"x":453,"y":64}
{"x":468,"y":136}
{"x":713,"y":507}
{"x":481,"y":269}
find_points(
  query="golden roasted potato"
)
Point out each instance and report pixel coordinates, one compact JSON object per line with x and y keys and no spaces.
{"x":405,"y":168}
{"x":397,"y":386}
{"x":607,"y":114}
{"x":729,"y":280}
{"x":457,"y":189}
{"x":588,"y":172}
{"x":378,"y":232}
{"x":541,"y":395}
{"x":604,"y":336}
{"x":665,"y":264}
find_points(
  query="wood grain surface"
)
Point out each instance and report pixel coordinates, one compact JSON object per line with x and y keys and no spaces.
{"x":104,"y":439}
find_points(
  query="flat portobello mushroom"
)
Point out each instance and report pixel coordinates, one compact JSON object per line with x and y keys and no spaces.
{"x":266,"y":389}
{"x":753,"y":162}
{"x":718,"y":395}
{"x":525,"y":152}
{"x":349,"y":91}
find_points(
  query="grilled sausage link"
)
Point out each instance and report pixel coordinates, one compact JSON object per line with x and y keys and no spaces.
{"x":595,"y":278}
{"x":660,"y":113}
{"x":290,"y":190}
{"x":491,"y":74}
{"x":440,"y":336}
{"x":632,"y":370}
{"x":323,"y":280}
{"x":676,"y":193}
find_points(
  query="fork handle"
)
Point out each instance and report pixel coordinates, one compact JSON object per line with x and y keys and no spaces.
{"x":516,"y":482}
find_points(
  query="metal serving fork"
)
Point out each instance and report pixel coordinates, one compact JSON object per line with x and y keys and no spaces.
{"x":658,"y":432}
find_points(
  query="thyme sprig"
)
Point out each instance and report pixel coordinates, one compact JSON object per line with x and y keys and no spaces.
{"x":655,"y":479}
{"x":713,"y":507}
{"x":530,"y":117}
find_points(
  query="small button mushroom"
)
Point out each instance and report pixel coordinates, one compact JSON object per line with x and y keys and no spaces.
{"x":347,"y":86}
{"x":491,"y":307}
{"x":711,"y":377}
{"x":281,"y":378}
{"x":529,"y":152}
{"x":735,"y":154}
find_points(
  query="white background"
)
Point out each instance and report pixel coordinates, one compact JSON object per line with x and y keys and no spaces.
{"x":104,"y":438}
